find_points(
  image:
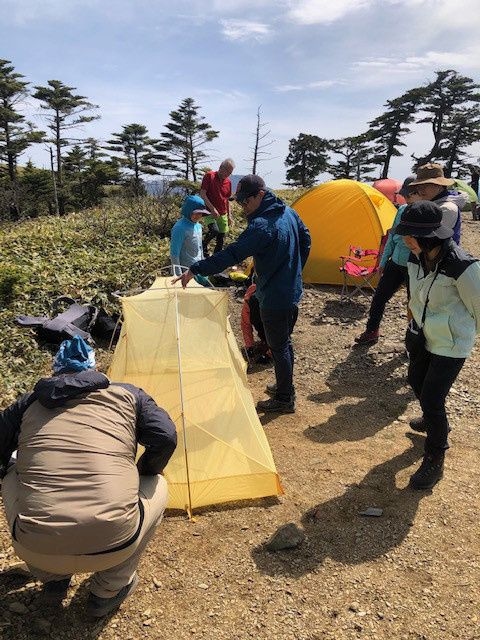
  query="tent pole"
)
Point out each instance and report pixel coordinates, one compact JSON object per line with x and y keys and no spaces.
{"x":185,"y":451}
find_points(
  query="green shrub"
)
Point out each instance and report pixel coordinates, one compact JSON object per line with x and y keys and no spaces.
{"x":11,"y":279}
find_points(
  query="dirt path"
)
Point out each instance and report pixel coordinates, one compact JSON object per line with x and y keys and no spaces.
{"x":412,"y":573}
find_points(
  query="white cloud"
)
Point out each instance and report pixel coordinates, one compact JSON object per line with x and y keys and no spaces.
{"x":241,"y":30}
{"x":430,"y":60}
{"x":315,"y":12}
{"x":319,"y":84}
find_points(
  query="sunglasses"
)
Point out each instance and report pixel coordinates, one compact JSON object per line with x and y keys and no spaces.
{"x":245,"y":199}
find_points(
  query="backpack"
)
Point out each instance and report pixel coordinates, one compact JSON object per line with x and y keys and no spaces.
{"x":84,"y":320}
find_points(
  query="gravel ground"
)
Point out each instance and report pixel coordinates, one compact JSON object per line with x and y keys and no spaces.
{"x":410,"y":574}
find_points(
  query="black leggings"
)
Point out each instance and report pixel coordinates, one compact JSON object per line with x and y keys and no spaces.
{"x":210,"y":235}
{"x":431,"y":378}
{"x":392,"y":278}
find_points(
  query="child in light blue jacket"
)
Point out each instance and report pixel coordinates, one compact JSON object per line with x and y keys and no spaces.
{"x":186,"y":236}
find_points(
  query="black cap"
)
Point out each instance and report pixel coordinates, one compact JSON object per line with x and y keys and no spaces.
{"x":248,"y":186}
{"x":405,"y":190}
{"x":423,"y":220}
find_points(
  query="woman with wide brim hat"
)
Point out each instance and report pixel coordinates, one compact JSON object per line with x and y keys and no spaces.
{"x":445,"y":304}
{"x":431,"y":184}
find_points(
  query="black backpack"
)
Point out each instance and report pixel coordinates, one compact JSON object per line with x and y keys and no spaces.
{"x":84,"y":320}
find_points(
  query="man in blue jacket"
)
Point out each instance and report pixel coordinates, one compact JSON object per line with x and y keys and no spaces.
{"x":279,"y":243}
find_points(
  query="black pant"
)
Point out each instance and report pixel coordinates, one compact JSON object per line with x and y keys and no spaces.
{"x":210,"y":235}
{"x":392,"y":278}
{"x":431,"y":378}
{"x":278,"y":326}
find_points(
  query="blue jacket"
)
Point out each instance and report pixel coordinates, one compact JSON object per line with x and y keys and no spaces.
{"x":395,"y":248}
{"x":186,"y":236}
{"x":453,"y":311}
{"x":279,"y":243}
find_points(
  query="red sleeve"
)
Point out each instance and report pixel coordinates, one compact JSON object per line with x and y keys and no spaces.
{"x":247,"y":329}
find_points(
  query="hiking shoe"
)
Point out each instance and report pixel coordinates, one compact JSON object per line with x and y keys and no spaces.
{"x":271,"y":390}
{"x":272,"y":405}
{"x":418,"y":424}
{"x":99,"y":607}
{"x":55,"y":591}
{"x":428,"y":474}
{"x":368,"y":337}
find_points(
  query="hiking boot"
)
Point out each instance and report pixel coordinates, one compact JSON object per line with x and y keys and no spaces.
{"x":418,"y":424}
{"x":272,"y":405}
{"x":271,"y":390}
{"x":429,"y":472}
{"x":99,"y":607}
{"x":54,"y":592}
{"x":368,"y":337}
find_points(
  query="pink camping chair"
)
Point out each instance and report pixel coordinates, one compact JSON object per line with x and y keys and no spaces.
{"x":359,"y":268}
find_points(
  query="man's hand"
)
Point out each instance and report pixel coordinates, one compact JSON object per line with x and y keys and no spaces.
{"x":184,"y":278}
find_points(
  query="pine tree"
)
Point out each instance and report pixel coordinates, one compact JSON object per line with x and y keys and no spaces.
{"x":356,"y":158}
{"x":443,"y":99}
{"x":388,"y":130}
{"x":67,"y":111}
{"x":307,"y":157}
{"x":180,"y":145}
{"x":137,"y":154}
{"x":86,"y":176}
{"x":16,"y":135}
{"x":36,"y":190}
{"x":461,"y":130}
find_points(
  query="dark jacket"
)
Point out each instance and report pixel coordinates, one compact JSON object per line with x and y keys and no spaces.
{"x":279,"y":243}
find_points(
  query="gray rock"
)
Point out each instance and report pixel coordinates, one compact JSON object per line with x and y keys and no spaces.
{"x":288,"y":536}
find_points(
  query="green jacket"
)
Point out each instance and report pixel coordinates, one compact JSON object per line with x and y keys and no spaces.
{"x":453,"y":311}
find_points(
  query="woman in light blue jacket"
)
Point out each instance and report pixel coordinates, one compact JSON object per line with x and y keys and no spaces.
{"x":445,"y":304}
{"x":392,"y":270}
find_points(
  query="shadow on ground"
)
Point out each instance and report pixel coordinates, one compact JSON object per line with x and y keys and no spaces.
{"x":334,"y":529}
{"x":375,"y":393}
{"x":39,"y":620}
{"x":344,"y":312}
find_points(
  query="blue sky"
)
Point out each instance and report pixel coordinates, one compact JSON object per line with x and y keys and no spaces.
{"x":314,"y":66}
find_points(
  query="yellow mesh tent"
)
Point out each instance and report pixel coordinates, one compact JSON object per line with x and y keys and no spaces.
{"x":341,"y":213}
{"x":179,"y":347}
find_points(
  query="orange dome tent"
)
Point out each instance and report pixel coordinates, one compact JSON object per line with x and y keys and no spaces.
{"x":341,"y":213}
{"x":389,"y":188}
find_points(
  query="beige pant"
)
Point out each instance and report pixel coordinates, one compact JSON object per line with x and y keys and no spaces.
{"x":112,"y":571}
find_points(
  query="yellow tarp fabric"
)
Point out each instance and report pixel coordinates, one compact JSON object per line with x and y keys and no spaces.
{"x":179,"y":347}
{"x":341,"y":213}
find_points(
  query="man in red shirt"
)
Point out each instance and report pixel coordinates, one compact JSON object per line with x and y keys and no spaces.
{"x":216,"y":189}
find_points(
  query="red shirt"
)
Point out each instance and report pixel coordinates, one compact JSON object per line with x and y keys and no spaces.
{"x":217,"y":192}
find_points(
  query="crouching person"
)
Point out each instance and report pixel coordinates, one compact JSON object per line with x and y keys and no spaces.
{"x":75,"y":500}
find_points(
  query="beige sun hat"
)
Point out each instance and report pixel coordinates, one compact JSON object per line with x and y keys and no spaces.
{"x":431,"y":173}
